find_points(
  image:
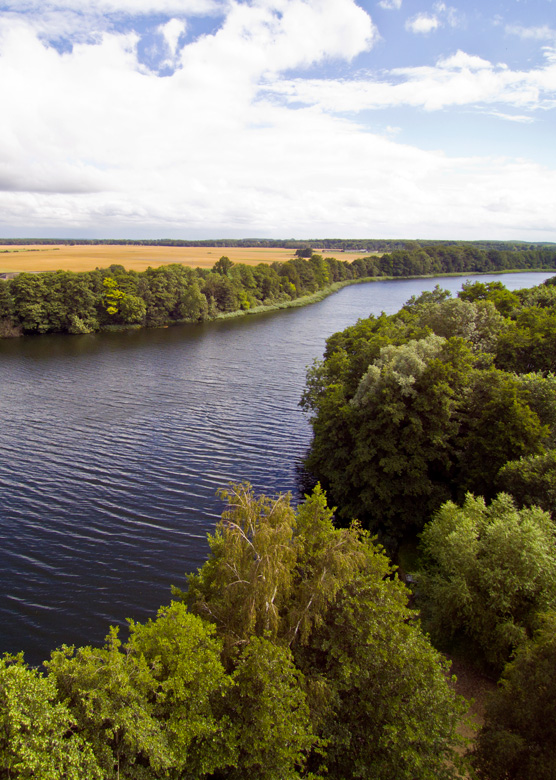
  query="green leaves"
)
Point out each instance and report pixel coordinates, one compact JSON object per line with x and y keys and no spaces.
{"x":311,"y":618}
{"x":38,"y":737}
{"x":490,"y":570}
{"x":405,"y":418}
{"x":517,"y":739}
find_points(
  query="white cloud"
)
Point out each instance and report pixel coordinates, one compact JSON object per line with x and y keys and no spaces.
{"x":543,"y":33}
{"x":459,"y":80}
{"x":391,"y":5}
{"x":97,"y":7}
{"x":519,"y":118}
{"x":422,"y":24}
{"x":172,"y":31}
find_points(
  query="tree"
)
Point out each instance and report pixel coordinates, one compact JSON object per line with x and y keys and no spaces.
{"x":531,"y":481}
{"x":479,"y":323}
{"x":146,"y":708}
{"x":497,"y":425}
{"x":268,"y":715}
{"x":386,"y":452}
{"x":29,"y":298}
{"x":37,"y":732}
{"x":377,"y":691}
{"x":518,"y":738}
{"x":222,"y":266}
{"x":489,"y":571}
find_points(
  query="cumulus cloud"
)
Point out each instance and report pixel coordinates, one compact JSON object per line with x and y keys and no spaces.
{"x":422,"y":24}
{"x":96,"y":141}
{"x":96,"y":119}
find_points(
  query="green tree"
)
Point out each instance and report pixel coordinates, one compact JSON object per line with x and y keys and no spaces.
{"x":222,"y":266}
{"x":29,"y":297}
{"x":146,"y":708}
{"x":497,"y":425}
{"x":531,"y":481}
{"x":132,"y":309}
{"x":385,"y":448}
{"x":489,"y":571}
{"x":268,"y":715}
{"x":108,"y":693}
{"x":529,"y":343}
{"x":37,"y":732}
{"x":377,"y":692}
{"x":518,"y":738}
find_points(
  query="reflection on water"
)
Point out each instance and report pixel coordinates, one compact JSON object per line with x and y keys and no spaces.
{"x":113,"y":446}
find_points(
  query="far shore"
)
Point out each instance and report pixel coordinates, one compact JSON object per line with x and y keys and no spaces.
{"x":37,"y":258}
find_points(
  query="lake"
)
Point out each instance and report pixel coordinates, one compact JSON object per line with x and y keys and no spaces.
{"x":113,"y":446}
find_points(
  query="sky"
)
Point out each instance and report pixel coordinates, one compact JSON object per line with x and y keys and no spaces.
{"x":201,"y":119}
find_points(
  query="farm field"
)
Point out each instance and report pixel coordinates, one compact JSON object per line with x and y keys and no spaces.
{"x":36,"y":258}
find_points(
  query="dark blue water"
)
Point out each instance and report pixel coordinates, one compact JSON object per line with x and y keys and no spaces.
{"x":112,"y":447}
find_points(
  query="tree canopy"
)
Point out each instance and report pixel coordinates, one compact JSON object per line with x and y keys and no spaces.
{"x":517,"y":738}
{"x":380,"y":702}
{"x":489,"y":571}
{"x":419,"y":407}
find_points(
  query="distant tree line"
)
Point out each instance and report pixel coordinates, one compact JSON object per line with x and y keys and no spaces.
{"x":68,"y":302}
{"x":337,"y":244}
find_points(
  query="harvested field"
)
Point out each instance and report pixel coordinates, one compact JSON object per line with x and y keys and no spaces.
{"x":36,"y":258}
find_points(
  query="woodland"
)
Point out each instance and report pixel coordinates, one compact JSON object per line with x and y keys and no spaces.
{"x":69,"y":302}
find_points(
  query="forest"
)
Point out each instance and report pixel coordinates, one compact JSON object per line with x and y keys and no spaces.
{"x":297,"y":650}
{"x":67,"y":302}
{"x":436,"y":427}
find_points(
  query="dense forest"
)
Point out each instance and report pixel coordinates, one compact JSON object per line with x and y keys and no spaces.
{"x":296,"y":650}
{"x":66,"y":302}
{"x":438,"y":424}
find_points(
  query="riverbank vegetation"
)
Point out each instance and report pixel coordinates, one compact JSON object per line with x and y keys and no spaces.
{"x":291,"y":654}
{"x":438,"y":425}
{"x":67,"y":302}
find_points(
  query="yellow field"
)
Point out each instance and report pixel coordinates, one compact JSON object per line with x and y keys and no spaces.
{"x":137,"y":258}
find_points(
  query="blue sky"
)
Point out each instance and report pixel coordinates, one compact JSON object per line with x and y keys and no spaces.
{"x":278,"y":118}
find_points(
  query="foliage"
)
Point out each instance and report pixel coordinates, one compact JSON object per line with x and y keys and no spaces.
{"x":37,"y":732}
{"x":419,"y":407}
{"x":489,"y":571}
{"x":146,"y":709}
{"x":267,"y":714}
{"x":497,"y":425}
{"x":518,"y":739}
{"x":378,"y":695}
{"x":531,"y":481}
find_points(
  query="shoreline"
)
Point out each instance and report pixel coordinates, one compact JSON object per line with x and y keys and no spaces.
{"x":304,"y":300}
